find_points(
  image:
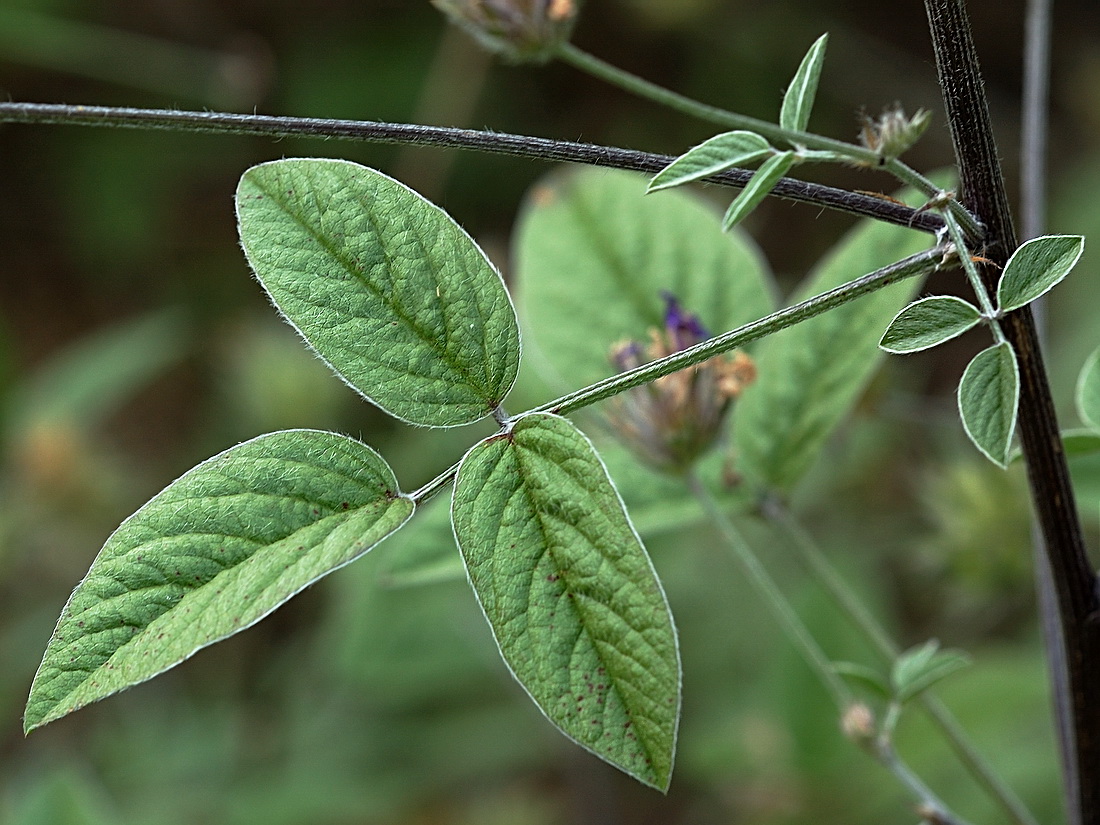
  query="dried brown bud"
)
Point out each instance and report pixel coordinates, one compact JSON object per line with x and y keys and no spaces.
{"x":524,"y":31}
{"x":891,"y":133}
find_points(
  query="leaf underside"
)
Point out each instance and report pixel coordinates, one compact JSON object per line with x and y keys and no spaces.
{"x":988,"y":396}
{"x":384,"y":286}
{"x":718,"y":154}
{"x":212,"y":554}
{"x":1036,"y":267}
{"x":572,"y":598}
{"x":929,"y":322}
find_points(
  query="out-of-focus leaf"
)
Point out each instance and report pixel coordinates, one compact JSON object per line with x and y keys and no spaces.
{"x":809,"y":376}
{"x":1088,"y":391}
{"x":594,"y":255}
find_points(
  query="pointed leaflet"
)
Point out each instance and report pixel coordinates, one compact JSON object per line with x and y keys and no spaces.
{"x":211,"y":554}
{"x":921,"y":667}
{"x":929,"y":322}
{"x":988,"y":396}
{"x":572,"y":598}
{"x":1036,"y":267}
{"x":799,"y":99}
{"x":1088,"y":391}
{"x":384,"y":285}
{"x":716,"y":155}
{"x":759,"y":187}
{"x":594,"y":253}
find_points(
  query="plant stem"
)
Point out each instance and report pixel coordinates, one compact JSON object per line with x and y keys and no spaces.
{"x":798,"y":634}
{"x":792,"y":625}
{"x":1076,"y":629}
{"x":590,"y":64}
{"x":777,"y":513}
{"x":827,"y":197}
{"x":954,"y":231}
{"x":922,"y":263}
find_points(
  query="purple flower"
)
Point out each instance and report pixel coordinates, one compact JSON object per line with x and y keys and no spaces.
{"x":672,"y":421}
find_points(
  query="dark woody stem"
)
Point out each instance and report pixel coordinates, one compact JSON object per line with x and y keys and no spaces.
{"x":1073,"y":630}
{"x":854,"y":203}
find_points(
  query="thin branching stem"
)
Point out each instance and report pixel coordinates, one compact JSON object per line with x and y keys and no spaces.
{"x":779,"y":515}
{"x":1074,"y":630}
{"x":794,"y":628}
{"x":861,"y":155}
{"x":537,"y":148}
{"x":923,"y":263}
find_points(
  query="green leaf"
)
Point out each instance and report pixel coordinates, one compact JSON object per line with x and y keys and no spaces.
{"x":919,"y":668}
{"x":929,"y":322}
{"x":1035,"y":267}
{"x":213,"y":553}
{"x":593,"y":255}
{"x":866,"y":677}
{"x":384,"y":285}
{"x":1075,"y":443}
{"x":988,"y":397}
{"x":716,"y":155}
{"x":570,"y":593}
{"x":1088,"y":391}
{"x":799,"y":99}
{"x":759,"y":187}
{"x":809,"y":376}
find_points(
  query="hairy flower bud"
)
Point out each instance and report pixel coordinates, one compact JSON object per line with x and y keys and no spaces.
{"x":524,"y":31}
{"x":858,"y":724}
{"x":672,"y":421}
{"x":891,"y":133}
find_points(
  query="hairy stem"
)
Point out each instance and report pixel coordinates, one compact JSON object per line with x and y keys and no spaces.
{"x":827,"y":197}
{"x":758,"y":576}
{"x":922,"y":263}
{"x":641,"y":87}
{"x":1076,"y":629}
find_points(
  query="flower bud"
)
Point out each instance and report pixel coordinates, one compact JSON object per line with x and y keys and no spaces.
{"x":523,"y":31}
{"x":672,"y":421}
{"x":892,"y":132}
{"x":858,"y":724}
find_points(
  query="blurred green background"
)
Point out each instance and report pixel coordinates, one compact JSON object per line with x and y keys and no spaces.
{"x":134,"y":343}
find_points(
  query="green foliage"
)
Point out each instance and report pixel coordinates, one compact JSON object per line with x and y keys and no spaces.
{"x":809,"y":375}
{"x":759,"y":187}
{"x":384,"y":286}
{"x":1088,"y":391}
{"x":798,"y":101}
{"x":929,"y":322}
{"x":988,"y":396}
{"x":1036,"y":267}
{"x":573,"y":600}
{"x":719,"y":153}
{"x":593,"y":256}
{"x":212,"y":554}
{"x":919,"y":668}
